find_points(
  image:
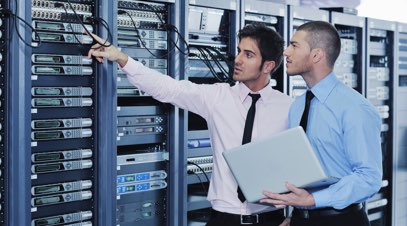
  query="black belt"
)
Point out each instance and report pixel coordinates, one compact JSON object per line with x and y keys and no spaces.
{"x":324,"y":212}
{"x":249,"y":219}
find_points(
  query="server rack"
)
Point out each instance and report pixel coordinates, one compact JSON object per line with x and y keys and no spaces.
{"x":297,"y":17}
{"x":145,"y":128}
{"x":211,"y":28}
{"x":350,"y":67}
{"x":399,"y":216}
{"x":274,"y":15}
{"x":379,"y":91}
{"x":142,"y":169}
{"x":3,"y":110}
{"x":64,"y":114}
{"x":55,"y":112}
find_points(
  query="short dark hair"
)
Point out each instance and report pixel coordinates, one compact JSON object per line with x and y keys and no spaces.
{"x":323,"y":35}
{"x":270,"y":43}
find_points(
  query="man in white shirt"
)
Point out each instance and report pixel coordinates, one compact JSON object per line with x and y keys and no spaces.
{"x":224,"y":108}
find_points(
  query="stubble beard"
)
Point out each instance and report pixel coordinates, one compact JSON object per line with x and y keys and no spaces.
{"x":302,"y":70}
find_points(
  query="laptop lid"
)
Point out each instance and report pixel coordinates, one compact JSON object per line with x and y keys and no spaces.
{"x":267,"y":163}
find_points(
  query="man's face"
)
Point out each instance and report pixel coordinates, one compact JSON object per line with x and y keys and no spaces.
{"x":298,"y":54}
{"x":247,"y":61}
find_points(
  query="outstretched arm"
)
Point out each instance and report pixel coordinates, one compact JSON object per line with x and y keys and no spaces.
{"x":184,"y":94}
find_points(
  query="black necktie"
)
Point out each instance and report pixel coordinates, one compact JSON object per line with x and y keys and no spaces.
{"x":304,"y":117}
{"x":248,"y":129}
{"x":248,"y":126}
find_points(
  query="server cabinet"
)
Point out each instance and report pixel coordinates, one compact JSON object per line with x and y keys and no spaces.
{"x":64,"y":114}
{"x":142,"y":169}
{"x":146,"y":31}
{"x":54,"y":110}
{"x":399,"y":216}
{"x":350,"y":67}
{"x":211,"y":29}
{"x":273,"y":15}
{"x":3,"y":110}
{"x":380,"y":75}
{"x":297,"y":17}
{"x":143,"y":33}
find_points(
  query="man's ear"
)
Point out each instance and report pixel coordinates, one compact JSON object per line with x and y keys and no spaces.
{"x":317,"y":55}
{"x":268,"y":66}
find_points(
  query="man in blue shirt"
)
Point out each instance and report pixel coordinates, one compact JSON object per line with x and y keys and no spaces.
{"x":344,"y":131}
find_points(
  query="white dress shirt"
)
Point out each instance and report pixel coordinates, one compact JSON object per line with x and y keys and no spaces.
{"x":224,"y":108}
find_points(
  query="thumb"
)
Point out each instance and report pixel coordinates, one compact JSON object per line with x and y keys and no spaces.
{"x":292,"y":188}
{"x":99,"y":39}
{"x":102,"y":54}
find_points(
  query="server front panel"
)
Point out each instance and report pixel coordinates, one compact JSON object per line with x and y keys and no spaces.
{"x":146,"y":33}
{"x":63,"y":113}
{"x":379,"y":91}
{"x":211,"y":28}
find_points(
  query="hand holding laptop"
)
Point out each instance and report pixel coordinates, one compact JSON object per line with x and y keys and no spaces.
{"x":296,"y":197}
{"x":266,"y":164}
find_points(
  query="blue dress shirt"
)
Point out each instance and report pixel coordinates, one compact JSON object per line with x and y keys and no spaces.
{"x":344,"y":130}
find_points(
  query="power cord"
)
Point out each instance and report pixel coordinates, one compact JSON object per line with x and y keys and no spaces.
{"x":218,"y":55}
{"x":167,"y":27}
{"x":121,"y":12}
{"x":200,"y":168}
{"x":106,"y":26}
{"x":223,"y":74}
{"x":95,"y":19}
{"x":70,"y":25}
{"x":207,"y":57}
{"x":16,"y":18}
{"x":199,"y":178}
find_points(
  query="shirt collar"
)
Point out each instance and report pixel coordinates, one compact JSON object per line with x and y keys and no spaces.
{"x":324,"y":87}
{"x":244,"y":91}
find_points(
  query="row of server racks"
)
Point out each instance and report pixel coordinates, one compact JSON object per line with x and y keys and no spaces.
{"x":81,"y":146}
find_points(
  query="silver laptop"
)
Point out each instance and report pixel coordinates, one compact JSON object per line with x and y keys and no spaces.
{"x":267,"y":163}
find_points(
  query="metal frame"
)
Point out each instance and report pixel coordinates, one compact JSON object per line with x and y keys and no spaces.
{"x":19,"y":133}
{"x":234,"y":8}
{"x":387,"y":26}
{"x":400,"y":148}
{"x":359,"y":22}
{"x":106,"y":108}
